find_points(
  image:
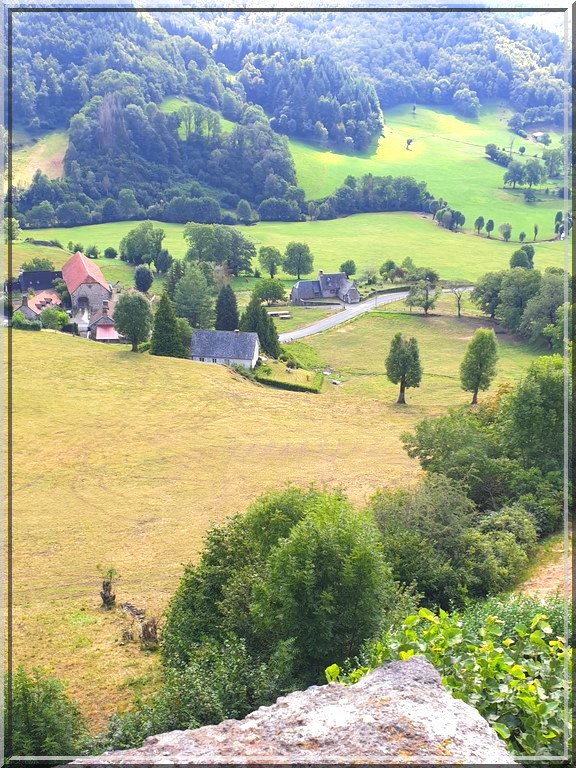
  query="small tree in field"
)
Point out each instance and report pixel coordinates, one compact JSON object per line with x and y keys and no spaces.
{"x":270,"y":259}
{"x":489,"y":227}
{"x":133,"y":319}
{"x":348,"y":267}
{"x":479,"y":365}
{"x":403,"y":365}
{"x":298,"y":259}
{"x":479,"y":224}
{"x":535,"y":232}
{"x":459,"y":293}
{"x":424,"y":295}
{"x":506,"y":231}
{"x":270,"y":291}
{"x":166,"y":340}
{"x":522,"y":236}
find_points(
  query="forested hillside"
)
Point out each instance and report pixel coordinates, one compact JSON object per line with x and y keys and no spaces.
{"x":321,"y":77}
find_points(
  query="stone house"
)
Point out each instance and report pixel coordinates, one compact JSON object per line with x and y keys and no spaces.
{"x":335,"y":285}
{"x":32,"y":304}
{"x":225,"y":347}
{"x":101,"y":325}
{"x":86,"y":284}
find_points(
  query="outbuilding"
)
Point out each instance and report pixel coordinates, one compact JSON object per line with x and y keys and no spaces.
{"x":225,"y":347}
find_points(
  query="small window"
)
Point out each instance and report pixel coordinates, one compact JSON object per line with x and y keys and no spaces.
{"x":214,"y":360}
{"x":227,"y":361}
{"x":201,"y":359}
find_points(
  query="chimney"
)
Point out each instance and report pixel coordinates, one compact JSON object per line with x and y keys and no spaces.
{"x":320,"y":272}
{"x":236,"y":330}
{"x":105,"y":307}
{"x":24,"y":299}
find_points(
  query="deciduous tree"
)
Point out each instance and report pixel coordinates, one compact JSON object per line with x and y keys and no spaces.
{"x":403,"y":365}
{"x":298,"y":259}
{"x":478,"y":368}
{"x":348,"y":267}
{"x":143,"y":278}
{"x":133,"y":318}
{"x":270,"y":259}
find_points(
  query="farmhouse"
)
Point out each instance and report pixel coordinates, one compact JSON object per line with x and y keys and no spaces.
{"x":329,"y":286}
{"x":86,"y":284}
{"x":32,"y":304}
{"x":225,"y":347}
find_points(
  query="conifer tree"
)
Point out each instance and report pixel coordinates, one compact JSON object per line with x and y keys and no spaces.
{"x":166,"y":338}
{"x":226,"y":310}
{"x":256,"y":319}
{"x":173,"y":276}
{"x":403,"y":365}
{"x":479,"y":365}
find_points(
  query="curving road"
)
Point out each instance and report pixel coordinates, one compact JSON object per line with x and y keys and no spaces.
{"x":349,"y":312}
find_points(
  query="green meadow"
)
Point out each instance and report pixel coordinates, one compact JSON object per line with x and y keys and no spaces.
{"x":368,"y":238}
{"x":175,"y":103}
{"x":448,"y":154}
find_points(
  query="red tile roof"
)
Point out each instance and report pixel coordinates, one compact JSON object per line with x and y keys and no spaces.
{"x":42,"y":299}
{"x":78,"y":270}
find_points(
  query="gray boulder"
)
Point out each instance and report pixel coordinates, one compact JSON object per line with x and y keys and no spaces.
{"x":399,"y":713}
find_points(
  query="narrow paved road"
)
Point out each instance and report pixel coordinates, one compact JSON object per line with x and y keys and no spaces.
{"x":348,"y":313}
{"x":342,"y":316}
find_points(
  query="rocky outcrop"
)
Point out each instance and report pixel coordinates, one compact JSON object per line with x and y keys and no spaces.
{"x":399,"y":713}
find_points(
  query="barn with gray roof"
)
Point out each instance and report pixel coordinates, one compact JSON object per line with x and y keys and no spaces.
{"x":328,"y":286}
{"x":225,"y":347}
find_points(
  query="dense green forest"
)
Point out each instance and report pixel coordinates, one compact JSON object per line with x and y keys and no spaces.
{"x":104,"y":75}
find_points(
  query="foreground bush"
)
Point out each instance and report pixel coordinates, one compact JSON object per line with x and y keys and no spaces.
{"x":45,"y":721}
{"x":516,"y":680}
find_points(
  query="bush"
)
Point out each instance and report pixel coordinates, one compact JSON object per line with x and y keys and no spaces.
{"x":44,"y":720}
{"x":144,"y":346}
{"x":20,"y":323}
{"x":143,"y":278}
{"x":515,"y":680}
{"x":220,"y":681}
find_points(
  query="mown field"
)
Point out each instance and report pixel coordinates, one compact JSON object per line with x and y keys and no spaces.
{"x":124,"y":460}
{"x":448,"y":154}
{"x":45,"y":152}
{"x":368,"y":238}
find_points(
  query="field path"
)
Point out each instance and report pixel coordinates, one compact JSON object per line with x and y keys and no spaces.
{"x":348,"y":313}
{"x":549,"y":578}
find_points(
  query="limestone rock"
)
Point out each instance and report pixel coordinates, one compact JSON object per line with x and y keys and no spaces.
{"x":399,"y":713}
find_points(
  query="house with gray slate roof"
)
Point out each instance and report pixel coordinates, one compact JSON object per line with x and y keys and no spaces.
{"x":329,"y":286}
{"x":225,"y":347}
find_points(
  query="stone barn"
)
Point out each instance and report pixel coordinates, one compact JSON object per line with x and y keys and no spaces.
{"x":86,"y":284}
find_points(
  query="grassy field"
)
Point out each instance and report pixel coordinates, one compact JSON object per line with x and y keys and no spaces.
{"x":358,"y":350}
{"x":368,"y":238}
{"x":124,"y":460}
{"x":45,"y":153}
{"x":448,"y":154}
{"x":175,"y":103}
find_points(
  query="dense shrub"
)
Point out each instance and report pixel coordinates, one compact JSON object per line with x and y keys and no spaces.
{"x":20,"y":322}
{"x":516,"y":680}
{"x":44,"y":720}
{"x":314,"y":387}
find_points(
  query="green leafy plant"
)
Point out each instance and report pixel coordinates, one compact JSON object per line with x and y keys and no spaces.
{"x":516,"y":680}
